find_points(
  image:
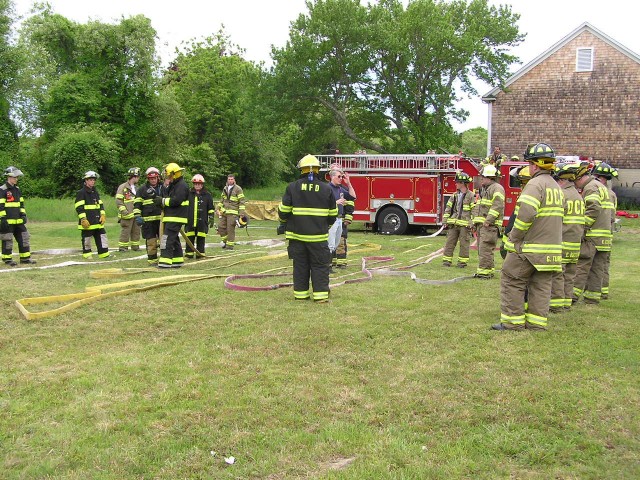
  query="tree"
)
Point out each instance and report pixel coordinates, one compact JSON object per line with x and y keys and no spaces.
{"x":92,"y":73}
{"x":474,"y":142}
{"x":390,"y":76}
{"x":9,"y":63}
{"x":218,"y":92}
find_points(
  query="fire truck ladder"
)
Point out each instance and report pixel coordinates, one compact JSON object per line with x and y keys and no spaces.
{"x":431,"y":163}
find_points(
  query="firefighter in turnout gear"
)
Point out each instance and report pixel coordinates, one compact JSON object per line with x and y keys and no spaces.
{"x":91,"y":217}
{"x":13,"y":218}
{"x":596,"y":242}
{"x":125,"y":198}
{"x":534,"y":246}
{"x":307,"y":210}
{"x":604,"y":172}
{"x":572,"y":231}
{"x":231,"y":207}
{"x":487,"y":218}
{"x":457,"y":215}
{"x":175,"y":207}
{"x":200,"y":215}
{"x":147,"y":213}
{"x":345,"y":197}
{"x":521,"y":175}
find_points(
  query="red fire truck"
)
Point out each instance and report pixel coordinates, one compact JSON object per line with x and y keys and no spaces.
{"x":395,"y":191}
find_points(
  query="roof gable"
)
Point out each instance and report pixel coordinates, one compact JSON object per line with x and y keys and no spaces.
{"x":585,"y":27}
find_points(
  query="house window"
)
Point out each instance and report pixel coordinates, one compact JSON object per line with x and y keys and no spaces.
{"x":584,"y":59}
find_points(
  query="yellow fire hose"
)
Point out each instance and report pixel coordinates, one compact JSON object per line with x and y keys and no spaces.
{"x":101,"y":292}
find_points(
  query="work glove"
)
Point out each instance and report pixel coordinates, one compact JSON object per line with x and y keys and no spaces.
{"x":158,"y":201}
{"x":139,"y":221}
{"x":85,"y":223}
{"x":503,"y":251}
{"x":211,"y":221}
{"x":4,"y":226}
{"x":103,"y":219}
{"x":282,"y":228}
{"x":24,"y":218}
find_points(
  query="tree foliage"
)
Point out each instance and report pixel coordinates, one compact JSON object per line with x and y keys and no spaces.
{"x":74,"y":152}
{"x":218,"y":90}
{"x":474,"y":142}
{"x":9,"y":62}
{"x":389,"y":75}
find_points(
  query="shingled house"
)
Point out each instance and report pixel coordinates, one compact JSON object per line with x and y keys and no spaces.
{"x":581,"y":96}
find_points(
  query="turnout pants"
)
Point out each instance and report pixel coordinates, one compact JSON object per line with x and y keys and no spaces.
{"x":520,"y":276}
{"x":99,"y":235}
{"x":151,"y":233}
{"x":170,"y":246}
{"x":562,"y":286}
{"x":340,"y":257}
{"x":487,"y":239}
{"x":589,"y":273}
{"x":20,"y":233}
{"x":310,"y":260}
{"x":227,"y":229}
{"x":129,"y":234}
{"x":198,"y":238}
{"x":457,"y":234}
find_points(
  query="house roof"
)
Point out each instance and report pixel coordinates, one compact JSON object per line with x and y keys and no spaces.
{"x":585,"y":27}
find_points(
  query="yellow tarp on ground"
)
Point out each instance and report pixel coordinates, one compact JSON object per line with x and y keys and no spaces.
{"x":262,"y":210}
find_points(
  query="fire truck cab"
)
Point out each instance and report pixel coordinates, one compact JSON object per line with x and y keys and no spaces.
{"x":396,"y":191}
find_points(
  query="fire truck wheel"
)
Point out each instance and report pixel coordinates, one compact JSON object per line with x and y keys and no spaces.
{"x":393,"y":220}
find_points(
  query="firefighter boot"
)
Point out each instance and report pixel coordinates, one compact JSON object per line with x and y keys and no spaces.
{"x":27,"y":261}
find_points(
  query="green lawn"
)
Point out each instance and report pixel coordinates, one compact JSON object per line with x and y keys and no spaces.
{"x":391,"y":379}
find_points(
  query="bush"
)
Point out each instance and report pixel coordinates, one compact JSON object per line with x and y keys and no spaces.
{"x":74,"y":152}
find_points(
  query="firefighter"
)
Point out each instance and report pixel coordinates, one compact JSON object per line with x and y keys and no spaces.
{"x":614,"y":199}
{"x":596,"y":241}
{"x":457,"y":217}
{"x":307,"y":210}
{"x":148,"y":214}
{"x":91,"y":217}
{"x":13,"y":219}
{"x":200,"y":215}
{"x":345,"y":196}
{"x":572,"y":232}
{"x":230,"y":208}
{"x":603,"y":173}
{"x":534,"y":246}
{"x":125,"y":198}
{"x":521,"y":176}
{"x":487,"y":219}
{"x":175,"y":207}
{"x":495,"y":159}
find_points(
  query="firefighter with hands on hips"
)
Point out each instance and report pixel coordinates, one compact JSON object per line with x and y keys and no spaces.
{"x":596,"y":241}
{"x":230,"y":209}
{"x":345,"y":196}
{"x":487,"y":217}
{"x":175,"y":205}
{"x":91,"y":217}
{"x":125,"y":198}
{"x":457,"y":217}
{"x":200,"y":216}
{"x":603,"y":172}
{"x":13,"y":219}
{"x":534,"y":246}
{"x":307,"y":210}
{"x":572,"y":232}
{"x":147,"y":213}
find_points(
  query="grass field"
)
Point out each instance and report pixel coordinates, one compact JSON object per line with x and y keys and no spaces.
{"x":391,"y":379}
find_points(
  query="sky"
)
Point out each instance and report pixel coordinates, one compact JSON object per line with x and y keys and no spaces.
{"x":256,"y":25}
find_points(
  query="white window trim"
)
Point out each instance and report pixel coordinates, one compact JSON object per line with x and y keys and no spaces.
{"x":591,"y":51}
